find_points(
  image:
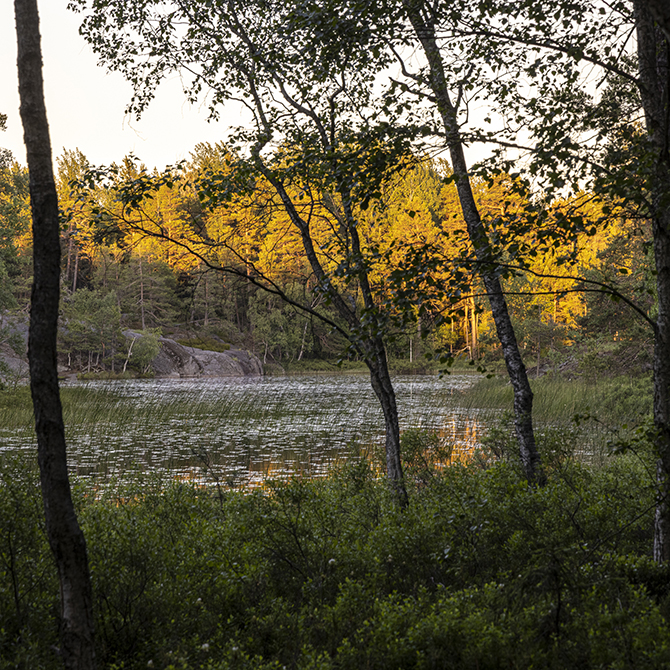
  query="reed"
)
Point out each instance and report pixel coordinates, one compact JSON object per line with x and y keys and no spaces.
{"x":613,"y":401}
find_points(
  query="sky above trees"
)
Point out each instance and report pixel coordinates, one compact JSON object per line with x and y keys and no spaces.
{"x":86,"y":104}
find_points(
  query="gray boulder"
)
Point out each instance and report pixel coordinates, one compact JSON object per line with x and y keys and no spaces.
{"x":176,"y":360}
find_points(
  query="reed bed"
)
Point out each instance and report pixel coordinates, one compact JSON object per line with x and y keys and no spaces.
{"x":244,"y":431}
{"x":618,"y":400}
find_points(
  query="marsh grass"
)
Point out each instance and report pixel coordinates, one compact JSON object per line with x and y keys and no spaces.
{"x":16,"y":409}
{"x":251,"y":429}
{"x":288,"y":428}
{"x":590,"y":418}
{"x":618,"y":400}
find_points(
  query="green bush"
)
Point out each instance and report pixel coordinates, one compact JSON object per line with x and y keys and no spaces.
{"x":28,"y":585}
{"x":481,"y":571}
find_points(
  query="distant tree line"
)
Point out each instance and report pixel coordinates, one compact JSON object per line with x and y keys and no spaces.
{"x":116,"y":276}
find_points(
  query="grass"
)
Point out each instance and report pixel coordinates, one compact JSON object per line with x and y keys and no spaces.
{"x":328,"y":366}
{"x":612,"y":400}
{"x":109,"y":428}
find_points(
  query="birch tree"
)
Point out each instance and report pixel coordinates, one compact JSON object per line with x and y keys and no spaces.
{"x":316,"y":138}
{"x":577,"y":100}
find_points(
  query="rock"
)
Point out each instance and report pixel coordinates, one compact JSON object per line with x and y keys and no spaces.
{"x":13,"y":349}
{"x":17,"y":366}
{"x":176,"y":360}
{"x":231,"y":363}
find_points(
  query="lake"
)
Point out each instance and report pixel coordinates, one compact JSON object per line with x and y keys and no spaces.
{"x":248,"y":428}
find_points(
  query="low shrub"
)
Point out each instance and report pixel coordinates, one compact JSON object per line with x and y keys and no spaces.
{"x":481,"y":571}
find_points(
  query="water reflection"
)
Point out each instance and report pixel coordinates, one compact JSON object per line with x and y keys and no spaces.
{"x":247,"y":429}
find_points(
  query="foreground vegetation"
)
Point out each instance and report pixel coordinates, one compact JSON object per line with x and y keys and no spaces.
{"x":480,"y":572}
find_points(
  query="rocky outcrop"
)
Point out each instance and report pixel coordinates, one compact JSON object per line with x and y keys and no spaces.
{"x":176,"y":360}
{"x":13,"y":349}
{"x":13,"y":366}
{"x":231,"y":363}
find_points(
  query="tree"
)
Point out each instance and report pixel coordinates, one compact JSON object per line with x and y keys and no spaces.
{"x":578,"y":104}
{"x":266,"y":63}
{"x":653,"y":55}
{"x":72,"y":165}
{"x":15,"y":241}
{"x":146,"y":347}
{"x":65,"y":536}
{"x":435,"y":79}
{"x":92,"y":327}
{"x":317,"y":150}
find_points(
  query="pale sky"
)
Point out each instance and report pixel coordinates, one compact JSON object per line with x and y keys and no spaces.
{"x":85,"y":104}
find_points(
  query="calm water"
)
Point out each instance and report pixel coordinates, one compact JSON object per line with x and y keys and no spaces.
{"x":250,"y":428}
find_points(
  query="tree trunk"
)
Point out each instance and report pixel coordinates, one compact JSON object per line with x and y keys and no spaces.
{"x":302,"y":342}
{"x":383,"y":388}
{"x":366,"y":340}
{"x":654,"y":75}
{"x":76,"y":270}
{"x":466,"y":322}
{"x":63,"y":531}
{"x":473,"y":328}
{"x":206,"y":319}
{"x":523,"y":395}
{"x":70,"y":244}
{"x":142,"y":296}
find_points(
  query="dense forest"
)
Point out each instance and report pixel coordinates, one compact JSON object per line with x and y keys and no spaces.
{"x":182,"y":266}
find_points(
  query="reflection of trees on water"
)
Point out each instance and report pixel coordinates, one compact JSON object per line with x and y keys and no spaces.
{"x":464,"y":435}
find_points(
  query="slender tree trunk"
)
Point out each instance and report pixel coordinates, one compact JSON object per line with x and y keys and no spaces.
{"x":142,"y":295}
{"x":206,"y":321}
{"x":128,"y":355}
{"x":383,"y":388}
{"x":473,"y":328}
{"x":369,"y":343}
{"x":302,"y":342}
{"x":376,"y":361}
{"x":76,"y":270}
{"x":523,"y":395}
{"x":70,"y":244}
{"x":63,"y":531}
{"x":654,"y":73}
{"x":661,"y":227}
{"x":466,"y":322}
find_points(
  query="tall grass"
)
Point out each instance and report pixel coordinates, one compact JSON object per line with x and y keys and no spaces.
{"x":584,"y":417}
{"x":113,"y":428}
{"x":618,"y":400}
{"x":245,"y":435}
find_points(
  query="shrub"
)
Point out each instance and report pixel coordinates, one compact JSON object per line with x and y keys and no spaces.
{"x":481,"y":571}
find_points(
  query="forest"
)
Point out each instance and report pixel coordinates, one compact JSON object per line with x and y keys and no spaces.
{"x":343,"y":224}
{"x":151,"y":270}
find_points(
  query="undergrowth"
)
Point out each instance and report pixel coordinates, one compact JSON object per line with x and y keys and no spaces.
{"x":482,"y":571}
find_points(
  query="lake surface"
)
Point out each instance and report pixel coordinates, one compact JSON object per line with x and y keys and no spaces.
{"x":247,"y":429}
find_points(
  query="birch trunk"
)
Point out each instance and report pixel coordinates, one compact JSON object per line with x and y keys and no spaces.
{"x":523,"y":395}
{"x":654,"y":75}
